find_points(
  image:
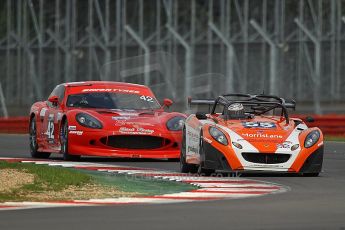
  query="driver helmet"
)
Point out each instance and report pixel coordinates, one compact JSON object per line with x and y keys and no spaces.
{"x":236,"y":111}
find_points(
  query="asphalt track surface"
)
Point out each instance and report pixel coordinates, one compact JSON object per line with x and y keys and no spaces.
{"x":312,"y":203}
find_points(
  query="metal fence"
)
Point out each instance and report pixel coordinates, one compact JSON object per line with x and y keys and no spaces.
{"x":293,"y":48}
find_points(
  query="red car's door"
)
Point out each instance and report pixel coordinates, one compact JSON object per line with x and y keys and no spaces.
{"x":52,"y":120}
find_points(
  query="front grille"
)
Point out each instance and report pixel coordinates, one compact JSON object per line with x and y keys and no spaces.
{"x":135,"y":142}
{"x":266,"y":158}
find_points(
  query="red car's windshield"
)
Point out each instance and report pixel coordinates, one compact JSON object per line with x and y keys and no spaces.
{"x":108,"y":100}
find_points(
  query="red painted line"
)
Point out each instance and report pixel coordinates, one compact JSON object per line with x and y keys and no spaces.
{"x":185,"y":198}
{"x":90,"y":202}
{"x":7,"y":206}
{"x":221,"y":182}
{"x":162,"y":174}
{"x":248,"y":187}
{"x":25,"y":159}
{"x":11,"y":160}
{"x":229,"y":192}
{"x":108,"y":168}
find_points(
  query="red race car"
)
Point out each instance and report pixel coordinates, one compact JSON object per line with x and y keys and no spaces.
{"x":98,"y":118}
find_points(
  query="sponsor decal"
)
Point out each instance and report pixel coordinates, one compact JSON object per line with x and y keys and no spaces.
{"x":261,"y":135}
{"x":117,"y":118}
{"x":79,"y":133}
{"x":124,"y":122}
{"x":112,"y":90}
{"x":285,"y":145}
{"x":72,"y":127}
{"x":43,"y":112}
{"x":192,"y":134}
{"x":134,"y":130}
{"x":59,"y":116}
{"x":192,"y":149}
{"x":267,"y":166}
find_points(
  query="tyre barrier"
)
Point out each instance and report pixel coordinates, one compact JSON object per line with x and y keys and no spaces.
{"x":333,"y":125}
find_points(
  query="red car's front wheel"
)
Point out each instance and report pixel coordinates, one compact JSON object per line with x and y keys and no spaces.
{"x":64,"y":143}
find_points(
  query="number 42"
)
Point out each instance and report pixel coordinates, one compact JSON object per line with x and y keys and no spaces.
{"x":146,"y":98}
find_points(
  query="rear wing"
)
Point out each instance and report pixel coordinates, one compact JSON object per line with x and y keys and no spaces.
{"x":207,"y":102}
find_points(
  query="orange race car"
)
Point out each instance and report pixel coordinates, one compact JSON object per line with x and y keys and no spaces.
{"x":242,"y":133}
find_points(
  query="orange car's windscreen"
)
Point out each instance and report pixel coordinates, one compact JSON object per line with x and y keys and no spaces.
{"x":106,"y":100}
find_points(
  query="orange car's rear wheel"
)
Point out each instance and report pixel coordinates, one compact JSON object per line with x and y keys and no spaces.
{"x":64,"y":143}
{"x":33,"y":141}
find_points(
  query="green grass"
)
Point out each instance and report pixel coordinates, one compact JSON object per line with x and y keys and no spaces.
{"x":143,"y":185}
{"x":52,"y":178}
{"x":334,"y":138}
{"x":47,"y":178}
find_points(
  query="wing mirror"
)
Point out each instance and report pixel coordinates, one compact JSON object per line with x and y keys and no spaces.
{"x":167,"y":102}
{"x":201,"y":116}
{"x":54,"y":100}
{"x":309,"y":119}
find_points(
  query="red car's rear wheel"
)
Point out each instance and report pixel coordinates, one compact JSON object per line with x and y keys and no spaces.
{"x":33,"y":141}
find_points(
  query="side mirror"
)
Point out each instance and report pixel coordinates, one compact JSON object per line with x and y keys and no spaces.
{"x":309,"y":119}
{"x":167,"y":102}
{"x":54,"y":100}
{"x":201,"y":116}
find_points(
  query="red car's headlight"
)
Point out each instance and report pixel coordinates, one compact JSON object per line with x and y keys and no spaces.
{"x":88,"y":121}
{"x":176,"y":123}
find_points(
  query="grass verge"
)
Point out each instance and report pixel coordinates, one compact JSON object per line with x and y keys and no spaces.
{"x":30,"y":182}
{"x":335,"y":138}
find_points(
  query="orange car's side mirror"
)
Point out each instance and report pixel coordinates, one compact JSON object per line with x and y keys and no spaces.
{"x":310,"y":119}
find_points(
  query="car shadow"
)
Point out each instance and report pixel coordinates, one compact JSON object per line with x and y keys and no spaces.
{"x":112,"y":159}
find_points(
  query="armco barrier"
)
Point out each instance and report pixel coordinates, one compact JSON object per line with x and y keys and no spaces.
{"x":329,"y":124}
{"x":14,"y":125}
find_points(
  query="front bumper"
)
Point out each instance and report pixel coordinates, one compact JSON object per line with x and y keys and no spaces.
{"x":222,"y":162}
{"x":89,"y":143}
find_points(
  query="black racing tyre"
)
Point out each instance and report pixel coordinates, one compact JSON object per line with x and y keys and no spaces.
{"x":184,"y":167}
{"x":33,"y":141}
{"x":201,"y":170}
{"x":64,"y":143}
{"x":205,"y":172}
{"x":311,"y":174}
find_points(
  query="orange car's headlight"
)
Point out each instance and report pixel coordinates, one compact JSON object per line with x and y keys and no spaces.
{"x":311,"y":138}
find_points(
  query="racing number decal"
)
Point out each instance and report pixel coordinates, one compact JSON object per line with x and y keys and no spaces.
{"x":50,"y":128}
{"x":265,"y":125}
{"x":146,"y":98}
